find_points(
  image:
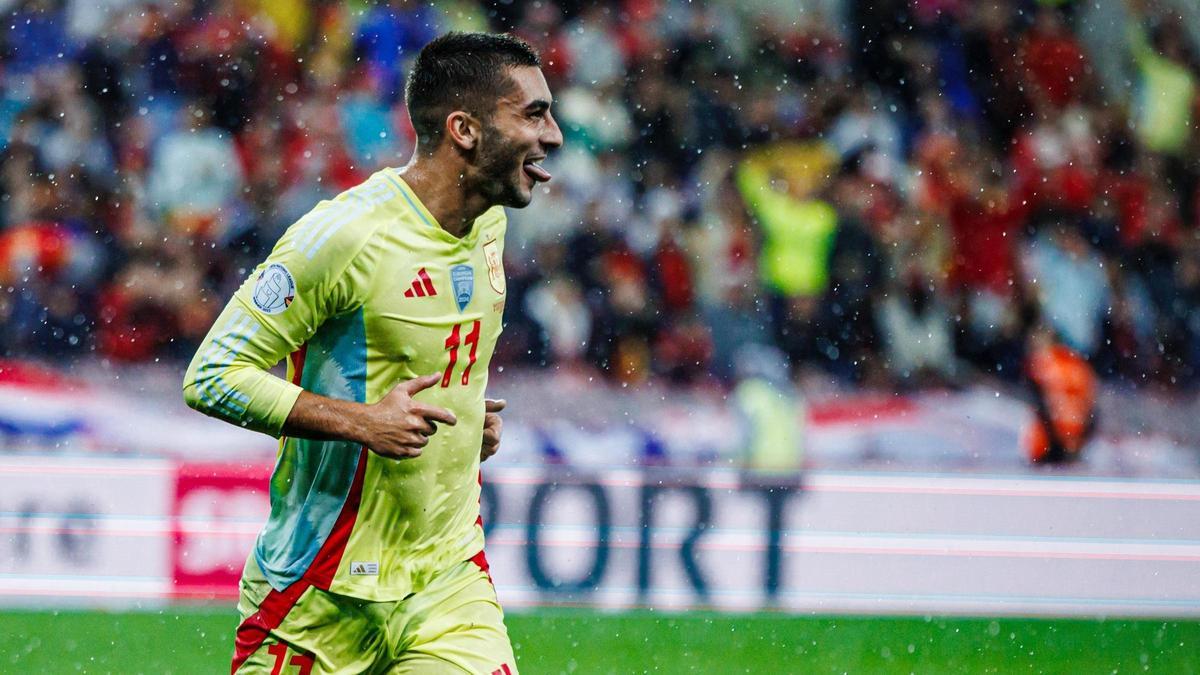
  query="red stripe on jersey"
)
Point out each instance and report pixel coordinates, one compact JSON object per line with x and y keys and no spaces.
{"x":297,"y":359}
{"x":479,"y":519}
{"x":427,"y":281}
{"x":272,"y":610}
{"x":325,"y":565}
{"x":298,"y":363}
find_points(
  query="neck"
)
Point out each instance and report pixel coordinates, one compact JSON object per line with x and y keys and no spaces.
{"x":441,"y":186}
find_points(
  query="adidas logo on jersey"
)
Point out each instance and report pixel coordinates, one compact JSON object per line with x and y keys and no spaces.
{"x":422,"y":286}
{"x":370,"y":569}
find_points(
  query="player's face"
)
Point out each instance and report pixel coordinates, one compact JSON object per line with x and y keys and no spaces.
{"x":519,"y":135}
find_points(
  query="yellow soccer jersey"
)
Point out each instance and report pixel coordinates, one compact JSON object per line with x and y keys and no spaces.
{"x":363,"y":293}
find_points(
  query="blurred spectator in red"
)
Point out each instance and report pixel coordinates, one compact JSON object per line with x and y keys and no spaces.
{"x":1053,"y":59}
{"x":1056,"y":159}
{"x":160,"y":303}
{"x":985,"y":219}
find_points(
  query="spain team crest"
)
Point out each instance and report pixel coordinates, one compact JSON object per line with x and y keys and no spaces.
{"x":462,"y":279}
{"x":491,"y":254}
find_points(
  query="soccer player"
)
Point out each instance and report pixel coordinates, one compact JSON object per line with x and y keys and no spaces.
{"x":386,"y":302}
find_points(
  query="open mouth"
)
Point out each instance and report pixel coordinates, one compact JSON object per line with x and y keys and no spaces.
{"x":534,"y":170}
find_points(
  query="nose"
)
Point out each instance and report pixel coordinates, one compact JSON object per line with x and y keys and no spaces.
{"x":551,"y":136}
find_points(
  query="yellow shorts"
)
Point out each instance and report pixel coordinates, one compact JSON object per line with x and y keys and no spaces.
{"x":454,"y":625}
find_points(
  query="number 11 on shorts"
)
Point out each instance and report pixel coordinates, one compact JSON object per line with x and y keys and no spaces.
{"x":301,"y":660}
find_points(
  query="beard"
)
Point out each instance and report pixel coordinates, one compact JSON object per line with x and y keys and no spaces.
{"x":499,"y":174}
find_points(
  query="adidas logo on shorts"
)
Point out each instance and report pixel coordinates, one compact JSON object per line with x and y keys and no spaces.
{"x":364,"y":569}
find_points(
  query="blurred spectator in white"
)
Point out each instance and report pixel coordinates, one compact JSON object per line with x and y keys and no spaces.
{"x":917,"y":332}
{"x":596,"y":56}
{"x":595,"y":117}
{"x":77,"y":141}
{"x":865,"y":126}
{"x":557,"y":306}
{"x":195,"y":175}
{"x":1070,"y":283}
{"x":88,"y":18}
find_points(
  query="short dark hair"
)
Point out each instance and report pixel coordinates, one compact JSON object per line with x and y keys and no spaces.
{"x":461,"y":71}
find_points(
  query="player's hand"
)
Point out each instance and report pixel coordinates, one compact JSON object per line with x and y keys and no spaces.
{"x":399,"y":426}
{"x":492,"y":424}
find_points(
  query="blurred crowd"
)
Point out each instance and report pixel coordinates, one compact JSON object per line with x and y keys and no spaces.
{"x":897,"y":193}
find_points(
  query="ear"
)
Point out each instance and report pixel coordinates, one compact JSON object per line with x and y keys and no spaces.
{"x":463,"y":130}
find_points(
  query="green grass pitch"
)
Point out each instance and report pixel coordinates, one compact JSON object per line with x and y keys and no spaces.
{"x":199,"y":641}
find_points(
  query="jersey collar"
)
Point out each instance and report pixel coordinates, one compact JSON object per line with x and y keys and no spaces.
{"x":433,"y":228}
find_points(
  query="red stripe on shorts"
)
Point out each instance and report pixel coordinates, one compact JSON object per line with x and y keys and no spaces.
{"x":480,"y":559}
{"x":481,"y":562}
{"x":271,"y":611}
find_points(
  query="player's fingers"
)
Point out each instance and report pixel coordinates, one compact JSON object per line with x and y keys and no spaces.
{"x":494,"y":405}
{"x":421,"y":425}
{"x":419,"y":384}
{"x":487,"y":451}
{"x":398,"y":452}
{"x":435,"y":414}
{"x":491,"y":437}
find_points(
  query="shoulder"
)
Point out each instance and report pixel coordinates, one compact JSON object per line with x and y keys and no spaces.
{"x":327,"y":239}
{"x":348,"y":221}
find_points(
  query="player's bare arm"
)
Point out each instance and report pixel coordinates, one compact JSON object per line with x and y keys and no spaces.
{"x":398,"y":426}
{"x":492,"y":424}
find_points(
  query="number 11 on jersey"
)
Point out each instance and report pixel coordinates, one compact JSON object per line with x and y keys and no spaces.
{"x":452,"y":343}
